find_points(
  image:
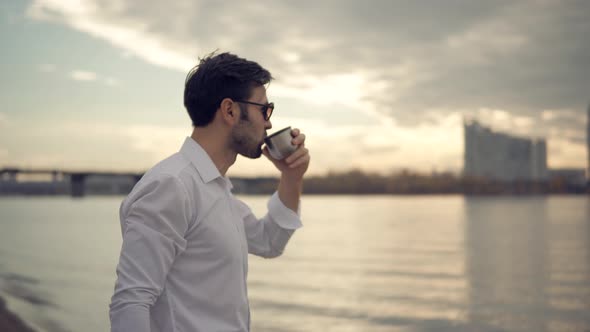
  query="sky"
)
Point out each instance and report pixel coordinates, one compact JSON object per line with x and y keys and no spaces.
{"x":375,"y":85}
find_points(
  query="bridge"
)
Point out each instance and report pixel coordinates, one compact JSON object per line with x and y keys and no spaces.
{"x":77,"y":178}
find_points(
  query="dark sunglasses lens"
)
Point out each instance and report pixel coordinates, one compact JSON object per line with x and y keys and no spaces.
{"x":269,"y":110}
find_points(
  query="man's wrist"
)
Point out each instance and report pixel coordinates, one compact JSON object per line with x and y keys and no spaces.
{"x":290,"y":181}
{"x":290,"y":190}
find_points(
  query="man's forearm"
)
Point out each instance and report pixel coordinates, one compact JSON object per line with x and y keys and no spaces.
{"x":132,"y":318}
{"x":290,"y":192}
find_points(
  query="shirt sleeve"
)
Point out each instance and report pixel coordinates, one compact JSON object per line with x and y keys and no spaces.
{"x":154,"y":221}
{"x":268,"y":237}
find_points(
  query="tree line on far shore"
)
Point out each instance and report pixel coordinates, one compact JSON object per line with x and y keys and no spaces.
{"x":408,"y":182}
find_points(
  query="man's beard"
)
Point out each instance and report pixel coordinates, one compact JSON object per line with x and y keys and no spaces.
{"x":243,"y":143}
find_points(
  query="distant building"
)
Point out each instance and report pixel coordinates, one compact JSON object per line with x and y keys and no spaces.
{"x":503,"y":157}
{"x":572,"y":176}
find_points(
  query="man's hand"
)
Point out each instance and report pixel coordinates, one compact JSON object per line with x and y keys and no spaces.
{"x":292,"y":169}
{"x":294,"y":166}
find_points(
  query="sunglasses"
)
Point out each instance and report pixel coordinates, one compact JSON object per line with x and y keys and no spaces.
{"x":264,"y":108}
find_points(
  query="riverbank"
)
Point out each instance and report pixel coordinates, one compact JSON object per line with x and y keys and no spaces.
{"x":9,"y":322}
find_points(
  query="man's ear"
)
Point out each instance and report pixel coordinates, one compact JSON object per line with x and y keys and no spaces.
{"x":227,"y":111}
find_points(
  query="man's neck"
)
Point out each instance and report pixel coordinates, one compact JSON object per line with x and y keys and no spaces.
{"x":215,"y":144}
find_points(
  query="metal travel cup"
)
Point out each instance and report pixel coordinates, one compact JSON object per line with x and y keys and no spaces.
{"x":279,"y":144}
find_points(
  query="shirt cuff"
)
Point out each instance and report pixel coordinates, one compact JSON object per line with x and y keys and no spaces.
{"x":282,"y":215}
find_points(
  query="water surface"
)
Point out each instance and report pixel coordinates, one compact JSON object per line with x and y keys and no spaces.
{"x":361,"y":263}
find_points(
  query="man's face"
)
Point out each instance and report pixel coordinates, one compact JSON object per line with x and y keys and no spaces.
{"x":249,"y":133}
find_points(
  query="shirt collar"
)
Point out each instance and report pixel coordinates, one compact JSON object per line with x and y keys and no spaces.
{"x":200,"y":159}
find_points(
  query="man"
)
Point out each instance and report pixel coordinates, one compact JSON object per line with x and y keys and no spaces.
{"x":186,"y":238}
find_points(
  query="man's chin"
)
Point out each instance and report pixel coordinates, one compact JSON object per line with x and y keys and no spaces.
{"x":253,"y":154}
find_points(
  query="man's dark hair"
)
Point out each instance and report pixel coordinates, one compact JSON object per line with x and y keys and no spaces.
{"x":217,"y":77}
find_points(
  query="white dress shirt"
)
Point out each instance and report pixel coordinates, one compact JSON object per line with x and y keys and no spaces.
{"x":186,"y":239}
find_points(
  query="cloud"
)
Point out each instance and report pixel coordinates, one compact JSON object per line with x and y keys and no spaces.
{"x":520,"y":66}
{"x":89,"y":76}
{"x":564,"y":118}
{"x":112,"y":21}
{"x":111,"y":81}
{"x":4,"y":120}
{"x":381,"y":149}
{"x":562,"y":154}
{"x":401,"y":57}
{"x":99,"y":146}
{"x":47,"y":68}
{"x":153,"y":139}
{"x":82,"y":75}
{"x":4,"y":160}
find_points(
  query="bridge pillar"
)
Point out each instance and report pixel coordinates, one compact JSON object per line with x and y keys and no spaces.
{"x":78,"y":186}
{"x":9,"y":176}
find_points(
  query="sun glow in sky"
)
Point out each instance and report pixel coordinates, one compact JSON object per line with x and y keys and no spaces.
{"x":378,"y":86}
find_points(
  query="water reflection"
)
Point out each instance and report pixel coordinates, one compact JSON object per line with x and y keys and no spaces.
{"x":527,"y":264}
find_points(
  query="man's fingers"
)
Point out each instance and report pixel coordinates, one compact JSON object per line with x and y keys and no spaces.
{"x":295,"y":132}
{"x":300,"y":161}
{"x":298,"y":140}
{"x":296,"y":155}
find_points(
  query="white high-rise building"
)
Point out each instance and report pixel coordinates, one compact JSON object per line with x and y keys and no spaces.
{"x":499,"y":156}
{"x":539,"y":170}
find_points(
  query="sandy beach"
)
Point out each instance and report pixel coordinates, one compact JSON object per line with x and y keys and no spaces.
{"x":10,"y":322}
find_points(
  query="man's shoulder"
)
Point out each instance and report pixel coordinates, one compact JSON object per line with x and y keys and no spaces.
{"x":172,"y":172}
{"x":175,"y":167}
{"x":171,"y":166}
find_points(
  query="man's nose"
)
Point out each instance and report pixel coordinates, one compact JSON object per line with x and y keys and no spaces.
{"x":268,"y":125}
